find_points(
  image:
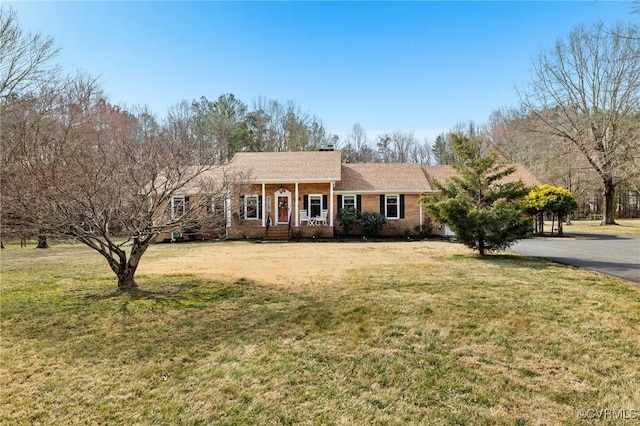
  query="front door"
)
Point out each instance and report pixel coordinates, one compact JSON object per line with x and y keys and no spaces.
{"x":283,"y":208}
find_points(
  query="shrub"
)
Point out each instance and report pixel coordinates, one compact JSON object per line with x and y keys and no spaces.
{"x":372,"y":222}
{"x":347,"y":217}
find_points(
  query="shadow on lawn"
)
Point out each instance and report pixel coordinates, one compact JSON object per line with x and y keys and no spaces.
{"x":169,"y":318}
{"x":508,"y":260}
{"x":174,"y":295}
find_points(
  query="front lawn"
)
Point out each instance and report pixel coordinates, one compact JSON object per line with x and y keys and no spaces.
{"x":313,"y":333}
{"x":629,"y":227}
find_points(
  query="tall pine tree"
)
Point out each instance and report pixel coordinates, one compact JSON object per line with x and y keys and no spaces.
{"x":480,"y":204}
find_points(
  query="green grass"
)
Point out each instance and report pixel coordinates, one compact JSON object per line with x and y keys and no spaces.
{"x":454,"y":339}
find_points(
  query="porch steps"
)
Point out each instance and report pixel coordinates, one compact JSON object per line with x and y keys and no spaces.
{"x":278,"y":233}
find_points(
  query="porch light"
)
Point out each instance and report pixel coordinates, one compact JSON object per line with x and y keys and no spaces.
{"x":281,"y":190}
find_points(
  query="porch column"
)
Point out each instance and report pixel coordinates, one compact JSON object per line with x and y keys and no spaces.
{"x":331,"y":204}
{"x":295,"y":203}
{"x":264,"y":206}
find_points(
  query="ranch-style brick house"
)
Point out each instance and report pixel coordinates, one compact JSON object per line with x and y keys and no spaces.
{"x":298,"y":195}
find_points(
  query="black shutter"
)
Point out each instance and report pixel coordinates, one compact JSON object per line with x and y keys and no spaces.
{"x":241,"y":208}
{"x":401,"y":202}
{"x":339,"y":202}
{"x":359,"y":203}
{"x":383,"y":211}
{"x":259,"y":206}
{"x":306,"y":202}
{"x":325,"y":202}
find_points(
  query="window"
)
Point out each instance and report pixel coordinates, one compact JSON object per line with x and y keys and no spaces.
{"x":353,"y":201}
{"x":391,"y":207}
{"x":215,"y":205}
{"x":315,"y":205}
{"x":178,"y":207}
{"x":251,"y":207}
{"x":349,"y":201}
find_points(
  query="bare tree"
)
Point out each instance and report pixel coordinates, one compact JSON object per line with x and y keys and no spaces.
{"x":86,"y":170}
{"x":587,"y":91}
{"x":421,"y":153}
{"x":515,"y":137}
{"x":360,"y":141}
{"x":402,"y":144}
{"x":356,"y":147}
{"x":25,"y":59}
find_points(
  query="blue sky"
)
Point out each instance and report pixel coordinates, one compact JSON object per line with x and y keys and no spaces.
{"x":410,"y":66}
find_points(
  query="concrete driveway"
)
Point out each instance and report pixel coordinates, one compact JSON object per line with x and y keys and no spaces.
{"x":610,"y":254}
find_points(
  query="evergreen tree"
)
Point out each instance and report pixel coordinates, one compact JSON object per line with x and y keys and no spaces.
{"x":480,"y":204}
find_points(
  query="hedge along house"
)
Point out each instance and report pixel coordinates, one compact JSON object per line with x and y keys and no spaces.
{"x":283,"y":195}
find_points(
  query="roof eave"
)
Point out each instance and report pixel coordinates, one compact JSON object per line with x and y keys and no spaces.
{"x":383,"y":191}
{"x":271,"y":181}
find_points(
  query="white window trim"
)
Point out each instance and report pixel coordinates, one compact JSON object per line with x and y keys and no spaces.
{"x":216,"y":205}
{"x":321,"y":206}
{"x":386,"y":205}
{"x":246,"y":205}
{"x":174,"y":203}
{"x":355,"y":201}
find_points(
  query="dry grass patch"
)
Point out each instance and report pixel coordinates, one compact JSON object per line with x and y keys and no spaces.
{"x":313,"y":333}
{"x":630,"y":227}
{"x":300,"y":264}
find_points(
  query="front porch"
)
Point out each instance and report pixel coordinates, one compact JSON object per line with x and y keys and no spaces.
{"x":283,"y":210}
{"x":287,"y":203}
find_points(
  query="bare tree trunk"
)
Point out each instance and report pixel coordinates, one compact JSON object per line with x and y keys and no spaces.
{"x":42,"y":242}
{"x":126,"y":279}
{"x":127,"y":270}
{"x":481,"y":246}
{"x":560,"y":219}
{"x":541,"y":223}
{"x":609,"y":191}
